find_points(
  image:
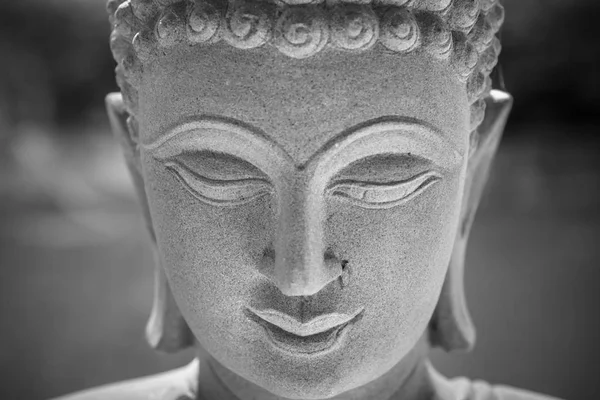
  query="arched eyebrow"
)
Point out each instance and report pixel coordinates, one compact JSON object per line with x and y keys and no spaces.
{"x":402,"y":125}
{"x":336,"y":144}
{"x":222,"y":135}
{"x":218,"y":122}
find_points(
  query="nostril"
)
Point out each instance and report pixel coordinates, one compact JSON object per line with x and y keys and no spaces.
{"x":266,"y":263}
{"x":330,"y":255}
{"x":269,"y":252}
{"x":333,"y":264}
{"x":345,"y":276}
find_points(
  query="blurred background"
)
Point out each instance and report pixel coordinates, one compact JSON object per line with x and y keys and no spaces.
{"x":76,"y":269}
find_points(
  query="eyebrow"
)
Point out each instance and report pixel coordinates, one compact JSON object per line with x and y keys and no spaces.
{"x":347,"y":136}
{"x":217,"y":121}
{"x":387,"y":123}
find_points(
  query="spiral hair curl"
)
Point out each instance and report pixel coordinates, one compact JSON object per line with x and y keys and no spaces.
{"x":463,"y":32}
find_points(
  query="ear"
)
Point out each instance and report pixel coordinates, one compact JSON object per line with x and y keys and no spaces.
{"x":451,"y":327}
{"x":166,"y":329}
{"x":125,"y":129}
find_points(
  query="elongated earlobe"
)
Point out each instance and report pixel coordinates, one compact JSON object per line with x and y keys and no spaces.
{"x":167,"y":330}
{"x":451,"y":327}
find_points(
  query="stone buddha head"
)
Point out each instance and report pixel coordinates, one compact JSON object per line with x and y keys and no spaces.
{"x":309,"y":171}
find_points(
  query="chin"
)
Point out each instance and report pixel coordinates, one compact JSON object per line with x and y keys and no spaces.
{"x":317,"y":383}
{"x":308,"y":390}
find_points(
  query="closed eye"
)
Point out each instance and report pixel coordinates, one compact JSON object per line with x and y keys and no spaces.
{"x":383,"y":195}
{"x":219,"y":192}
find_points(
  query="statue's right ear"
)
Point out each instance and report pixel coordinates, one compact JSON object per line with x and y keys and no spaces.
{"x":125,"y":129}
{"x":167,"y":330}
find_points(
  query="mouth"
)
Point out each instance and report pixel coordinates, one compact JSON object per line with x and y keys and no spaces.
{"x":316,"y":337}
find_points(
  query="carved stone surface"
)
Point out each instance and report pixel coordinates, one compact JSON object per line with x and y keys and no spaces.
{"x":462,"y":32}
{"x":309,"y":209}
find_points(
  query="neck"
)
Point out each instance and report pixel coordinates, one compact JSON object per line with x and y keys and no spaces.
{"x":407,"y":380}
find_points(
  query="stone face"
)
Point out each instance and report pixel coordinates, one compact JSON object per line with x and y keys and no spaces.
{"x":310,"y":210}
{"x":264,"y":173}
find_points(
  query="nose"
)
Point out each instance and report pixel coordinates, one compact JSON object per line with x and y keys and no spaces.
{"x":297,"y":263}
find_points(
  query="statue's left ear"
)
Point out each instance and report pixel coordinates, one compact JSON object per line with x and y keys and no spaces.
{"x":167,"y":330}
{"x":451,"y":327}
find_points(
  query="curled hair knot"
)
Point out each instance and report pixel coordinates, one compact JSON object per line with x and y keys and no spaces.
{"x":247,"y":25}
{"x":465,"y":56}
{"x":203,"y":22}
{"x":132,"y":69}
{"x":119,"y":46}
{"x":495,"y":17}
{"x":143,"y":44}
{"x":482,"y":34}
{"x":301,"y":31}
{"x":170,"y":28}
{"x":463,"y":15}
{"x":477,"y":85}
{"x":488,"y":59}
{"x":125,"y":23}
{"x":145,"y":10}
{"x":436,"y":37}
{"x":354,"y":27}
{"x":399,"y":30}
{"x":111,"y":9}
{"x":486,"y":5}
{"x":497,"y":45}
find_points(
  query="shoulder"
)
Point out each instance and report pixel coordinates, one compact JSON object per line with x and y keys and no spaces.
{"x":173,"y":385}
{"x":484,"y":391}
{"x":465,"y":389}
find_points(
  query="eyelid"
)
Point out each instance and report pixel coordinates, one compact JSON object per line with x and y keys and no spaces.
{"x":383,"y":195}
{"x":219,"y":192}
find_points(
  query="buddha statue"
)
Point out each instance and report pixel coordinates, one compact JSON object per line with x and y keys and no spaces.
{"x":309,"y":171}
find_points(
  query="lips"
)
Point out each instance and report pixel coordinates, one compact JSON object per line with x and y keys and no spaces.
{"x":313,"y":337}
{"x":317,"y":325}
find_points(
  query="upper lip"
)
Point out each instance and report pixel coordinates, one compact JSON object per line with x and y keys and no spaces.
{"x":320,"y":324}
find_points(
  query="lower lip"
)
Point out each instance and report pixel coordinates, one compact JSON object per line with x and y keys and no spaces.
{"x":309,"y":346}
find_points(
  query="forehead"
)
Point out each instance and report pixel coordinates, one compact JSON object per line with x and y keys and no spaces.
{"x":300,"y":104}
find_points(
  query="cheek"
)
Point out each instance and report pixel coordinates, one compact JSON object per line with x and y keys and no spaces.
{"x":209,"y":254}
{"x":399,"y":257}
{"x":420,"y":232}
